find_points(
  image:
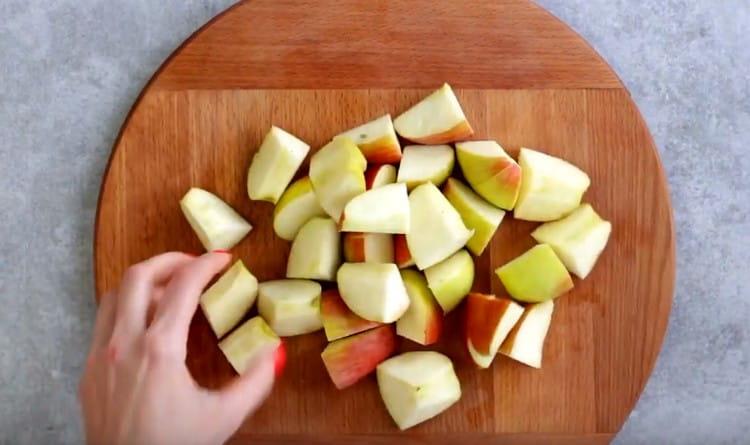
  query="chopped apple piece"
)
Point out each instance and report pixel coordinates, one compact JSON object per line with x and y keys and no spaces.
{"x":246,"y":341}
{"x":368,"y":247}
{"x":439,"y":230}
{"x":425,"y":163}
{"x":381,"y":210}
{"x":292,"y":307}
{"x":401,"y":253}
{"x":377,"y":140}
{"x":274,"y":165}
{"x":550,"y":187}
{"x":229,"y":299}
{"x":451,"y":279}
{"x":217,"y":225}
{"x":477,"y":214}
{"x":578,"y":239}
{"x":488,"y":322}
{"x":297,"y":205}
{"x":417,"y":386}
{"x":380,"y":175}
{"x":349,"y":359}
{"x":537,"y":275}
{"x":525,"y":342}
{"x":437,"y":119}
{"x":337,"y":175}
{"x":315,"y":252}
{"x":338,"y":320}
{"x":491,"y":172}
{"x":423,"y":321}
{"x":375,"y":292}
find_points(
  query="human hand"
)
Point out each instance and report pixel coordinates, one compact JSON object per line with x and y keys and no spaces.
{"x":136,"y":388}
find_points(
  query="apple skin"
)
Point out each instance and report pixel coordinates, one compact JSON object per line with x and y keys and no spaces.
{"x":489,"y":320}
{"x":401,"y":252}
{"x":535,"y":276}
{"x":246,"y":341}
{"x":380,"y":175}
{"x":316,"y":251}
{"x":368,"y":247}
{"x":477,"y":214}
{"x":337,"y":175}
{"x":381,"y":210}
{"x":350,"y":359}
{"x":490,"y":171}
{"x":436,"y":119}
{"x":338,"y":320}
{"x":217,"y":225}
{"x":451,"y":279}
{"x":423,"y":321}
{"x":525,"y":342}
{"x":377,"y":140}
{"x":296,"y":206}
{"x":229,"y":298}
{"x":375,"y":292}
{"x":426,"y":163}
{"x":291,"y":307}
{"x":274,"y":164}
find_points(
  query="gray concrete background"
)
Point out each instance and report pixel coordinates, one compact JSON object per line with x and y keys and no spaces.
{"x":70,"y":70}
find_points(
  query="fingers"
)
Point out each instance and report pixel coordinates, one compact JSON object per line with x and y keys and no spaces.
{"x":105,"y":320}
{"x":134,"y":296}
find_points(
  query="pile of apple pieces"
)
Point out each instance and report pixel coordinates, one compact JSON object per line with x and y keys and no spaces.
{"x":407,"y":251}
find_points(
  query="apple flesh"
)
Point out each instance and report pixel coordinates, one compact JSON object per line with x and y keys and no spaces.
{"x":274,"y":165}
{"x":338,"y":320}
{"x":228,"y":300}
{"x":350,"y":359}
{"x":297,"y":205}
{"x":417,"y":386}
{"x":490,"y":171}
{"x":217,"y":225}
{"x":451,"y":279}
{"x":401,"y":253}
{"x":578,"y":239}
{"x":381,"y":210}
{"x":375,"y":292}
{"x":488,"y":322}
{"x":478,"y":215}
{"x":377,"y":140}
{"x":550,"y":187}
{"x":525,"y":343}
{"x":315,"y":252}
{"x":380,"y":175}
{"x":439,"y":230}
{"x":337,"y":175}
{"x":291,"y":307}
{"x":241,"y":346}
{"x":535,"y":276}
{"x":368,"y":247}
{"x":423,"y":321}
{"x":425,"y":163}
{"x":437,"y":119}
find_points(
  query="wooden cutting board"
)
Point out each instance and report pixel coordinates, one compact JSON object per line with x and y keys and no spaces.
{"x":318,"y":67}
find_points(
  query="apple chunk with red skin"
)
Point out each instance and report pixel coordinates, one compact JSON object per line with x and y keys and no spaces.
{"x":350,"y":359}
{"x":274,"y":165}
{"x":535,"y":276}
{"x":217,"y":225}
{"x":375,"y":292}
{"x":436,"y":119}
{"x":401,"y":253}
{"x":377,"y":140}
{"x":381,"y":210}
{"x":423,"y":321}
{"x":338,"y":320}
{"x":525,"y":343}
{"x":488,"y":322}
{"x":490,"y":171}
{"x":380,"y":175}
{"x":368,"y":247}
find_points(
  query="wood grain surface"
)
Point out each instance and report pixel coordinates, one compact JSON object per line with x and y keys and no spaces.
{"x":316,"y":68}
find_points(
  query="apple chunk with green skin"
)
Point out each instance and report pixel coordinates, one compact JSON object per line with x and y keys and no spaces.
{"x":490,"y":171}
{"x":381,"y":210}
{"x":401,"y":253}
{"x":368,"y":247}
{"x":537,"y":275}
{"x":242,"y":345}
{"x":425,"y":163}
{"x":377,"y":140}
{"x":315,"y":252}
{"x":550,"y":187}
{"x":488,"y":322}
{"x":217,"y":225}
{"x":437,"y":119}
{"x":477,"y":214}
{"x":423,"y":321}
{"x":578,"y":239}
{"x":228,"y":300}
{"x":291,"y":307}
{"x":297,"y":205}
{"x":525,"y":342}
{"x":451,"y":279}
{"x":337,"y":173}
{"x":417,"y":386}
{"x":375,"y":292}
{"x":439,"y":230}
{"x":380,"y":175}
{"x":338,"y":320}
{"x":350,"y":359}
{"x":274,"y":165}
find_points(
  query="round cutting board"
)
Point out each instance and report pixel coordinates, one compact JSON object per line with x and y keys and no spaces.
{"x":318,"y":67}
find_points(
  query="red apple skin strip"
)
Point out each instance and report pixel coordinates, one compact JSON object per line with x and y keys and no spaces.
{"x":483,"y":314}
{"x":401,"y":252}
{"x":350,"y":359}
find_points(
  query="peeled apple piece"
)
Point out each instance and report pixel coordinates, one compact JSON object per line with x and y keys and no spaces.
{"x":291,"y":307}
{"x":297,"y":206}
{"x":245,"y":342}
{"x":316,"y":251}
{"x":228,"y":300}
{"x":217,"y":225}
{"x":274,"y":165}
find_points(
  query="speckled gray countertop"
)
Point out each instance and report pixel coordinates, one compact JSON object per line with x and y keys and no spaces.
{"x":70,"y":70}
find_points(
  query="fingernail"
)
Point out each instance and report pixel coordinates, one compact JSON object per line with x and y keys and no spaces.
{"x":279,"y":359}
{"x":220,"y":251}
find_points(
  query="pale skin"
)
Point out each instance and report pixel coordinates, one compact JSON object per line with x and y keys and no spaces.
{"x":136,"y":388}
